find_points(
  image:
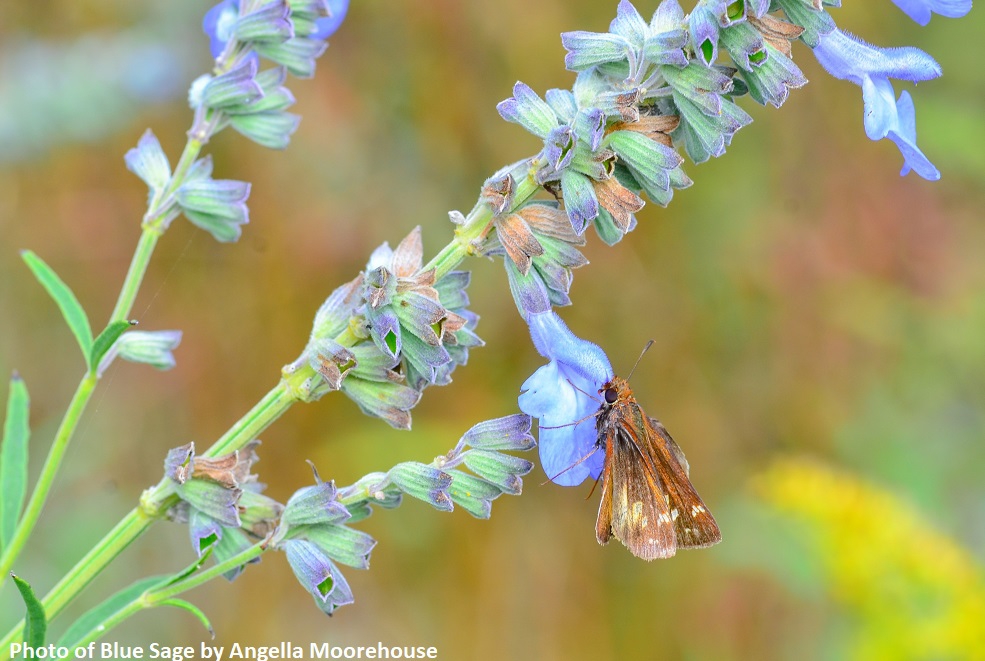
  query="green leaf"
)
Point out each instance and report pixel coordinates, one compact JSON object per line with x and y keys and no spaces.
{"x":96,"y":622}
{"x":105,"y":340}
{"x":13,"y":458}
{"x":92,"y":625}
{"x":193,"y":567}
{"x":194,"y":610}
{"x":71,"y":310}
{"x":37,"y":623}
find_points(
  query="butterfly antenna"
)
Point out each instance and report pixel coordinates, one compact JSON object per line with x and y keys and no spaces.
{"x":551,"y":479}
{"x":595,"y":397}
{"x":637,"y":364}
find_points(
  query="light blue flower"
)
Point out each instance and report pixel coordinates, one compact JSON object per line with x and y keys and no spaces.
{"x":849,"y":58}
{"x":326,"y":26}
{"x":218,"y":24}
{"x":562,"y":395}
{"x":318,"y":20}
{"x":920,"y":10}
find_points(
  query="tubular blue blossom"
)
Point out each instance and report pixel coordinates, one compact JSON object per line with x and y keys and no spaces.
{"x":561,"y":395}
{"x":920,"y":10}
{"x":849,"y":58}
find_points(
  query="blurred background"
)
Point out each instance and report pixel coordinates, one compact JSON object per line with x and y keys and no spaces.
{"x":818,"y":324}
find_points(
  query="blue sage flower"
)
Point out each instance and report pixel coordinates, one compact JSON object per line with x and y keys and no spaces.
{"x":540,"y":249}
{"x":704,"y":24}
{"x":407,"y":316}
{"x":263,"y":120}
{"x":363,"y":372}
{"x":849,"y":58}
{"x":318,"y":574}
{"x":920,"y":10}
{"x":221,"y":501}
{"x":278,"y":21}
{"x":312,"y":534}
{"x":809,"y":15}
{"x":218,"y":206}
{"x":761,"y":50}
{"x":561,"y":395}
{"x":152,"y":348}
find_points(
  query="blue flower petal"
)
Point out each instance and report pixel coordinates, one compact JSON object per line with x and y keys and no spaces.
{"x":849,"y":58}
{"x":920,"y":10}
{"x":555,"y":341}
{"x":218,"y":25}
{"x":905,"y":137}
{"x":879,"y":100}
{"x":562,"y":396}
{"x":328,"y":25}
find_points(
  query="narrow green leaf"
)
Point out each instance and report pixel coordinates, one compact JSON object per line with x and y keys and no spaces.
{"x":194,"y":610}
{"x":193,"y":567}
{"x":71,"y":310}
{"x":37,"y":623}
{"x":13,"y":458}
{"x":91,"y":625}
{"x":105,"y":340}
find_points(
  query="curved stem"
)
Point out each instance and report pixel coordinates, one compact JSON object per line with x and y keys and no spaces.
{"x":161,"y":596}
{"x":153,"y":228}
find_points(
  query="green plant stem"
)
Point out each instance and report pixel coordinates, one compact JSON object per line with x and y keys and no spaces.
{"x":205,"y":575}
{"x":155,"y":501}
{"x":261,"y":416}
{"x":135,"y":274}
{"x":154,"y":505}
{"x":47,"y":477}
{"x":475,"y":228}
{"x":153,"y":228}
{"x":161,"y":596}
{"x":127,"y":530}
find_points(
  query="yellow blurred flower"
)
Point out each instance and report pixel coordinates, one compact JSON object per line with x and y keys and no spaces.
{"x":913,"y":592}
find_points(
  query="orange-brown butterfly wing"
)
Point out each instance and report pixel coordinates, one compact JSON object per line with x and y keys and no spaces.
{"x":694,"y":525}
{"x":640,"y":518}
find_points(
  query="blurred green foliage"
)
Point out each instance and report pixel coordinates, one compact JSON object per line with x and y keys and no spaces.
{"x":803,"y":298}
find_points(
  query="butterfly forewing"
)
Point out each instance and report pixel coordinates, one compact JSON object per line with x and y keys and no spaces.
{"x":693,"y":523}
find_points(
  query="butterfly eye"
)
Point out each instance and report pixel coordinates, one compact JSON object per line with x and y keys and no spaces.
{"x":610,"y":396}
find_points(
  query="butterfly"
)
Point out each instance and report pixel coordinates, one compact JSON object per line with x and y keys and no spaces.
{"x":648,"y":501}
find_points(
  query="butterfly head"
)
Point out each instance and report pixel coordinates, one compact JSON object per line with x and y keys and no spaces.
{"x":615,"y":393}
